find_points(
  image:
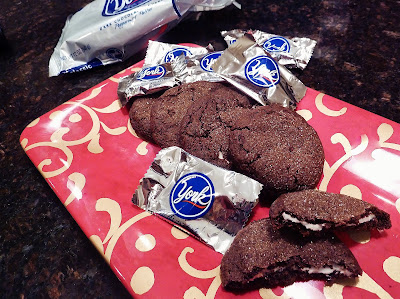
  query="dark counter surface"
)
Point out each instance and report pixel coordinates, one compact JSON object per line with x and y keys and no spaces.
{"x":43,"y":252}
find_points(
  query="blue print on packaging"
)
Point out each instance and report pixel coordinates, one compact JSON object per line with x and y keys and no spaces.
{"x":192,"y":196}
{"x":262,"y":71}
{"x":87,"y":66}
{"x":115,"y":53}
{"x":277,"y":44}
{"x":173,"y":54}
{"x":151,"y":73}
{"x":115,"y":7}
{"x":207,"y":61}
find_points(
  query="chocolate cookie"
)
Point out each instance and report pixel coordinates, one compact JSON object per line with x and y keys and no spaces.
{"x":203,"y":134}
{"x":313,"y":211}
{"x":261,"y":256}
{"x":139,"y":115}
{"x":167,"y":115}
{"x":275,"y":146}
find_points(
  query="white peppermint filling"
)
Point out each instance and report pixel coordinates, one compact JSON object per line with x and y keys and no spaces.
{"x":367,"y":218}
{"x":220,"y":155}
{"x":327,"y":270}
{"x":310,"y":226}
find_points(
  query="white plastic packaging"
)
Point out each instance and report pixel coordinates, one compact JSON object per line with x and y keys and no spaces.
{"x":109,"y":31}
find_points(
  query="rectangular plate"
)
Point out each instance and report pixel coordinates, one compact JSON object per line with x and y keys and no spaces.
{"x":93,"y":160}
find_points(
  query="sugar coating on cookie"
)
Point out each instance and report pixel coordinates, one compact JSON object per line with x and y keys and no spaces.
{"x":203,"y":133}
{"x":313,"y":211}
{"x":275,"y":146}
{"x":167,"y":115}
{"x":139,"y":115}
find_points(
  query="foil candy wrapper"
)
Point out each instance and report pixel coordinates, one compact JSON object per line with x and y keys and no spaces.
{"x":293,"y":52}
{"x":109,"y":31}
{"x":211,"y":203}
{"x":198,"y":59}
{"x":168,"y":65}
{"x":251,"y":69}
{"x":159,"y":52}
{"x":199,"y":68}
{"x":151,"y":79}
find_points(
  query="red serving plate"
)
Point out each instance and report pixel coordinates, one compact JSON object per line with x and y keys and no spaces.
{"x":92,"y":159}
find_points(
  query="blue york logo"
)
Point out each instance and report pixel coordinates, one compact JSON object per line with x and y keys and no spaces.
{"x":173,"y":54}
{"x":277,"y":44}
{"x":151,"y":73}
{"x":262,"y":71}
{"x":192,"y":196}
{"x":207,"y":61}
{"x":115,"y":7}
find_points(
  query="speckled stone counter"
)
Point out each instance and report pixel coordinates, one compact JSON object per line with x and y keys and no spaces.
{"x":43,"y":252}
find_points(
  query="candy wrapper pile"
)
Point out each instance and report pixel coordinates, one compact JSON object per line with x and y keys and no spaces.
{"x":245,"y":63}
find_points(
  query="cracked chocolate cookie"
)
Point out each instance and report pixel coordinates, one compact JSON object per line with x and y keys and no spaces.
{"x":315,"y":212}
{"x":139,"y":115}
{"x":167,"y":115}
{"x":261,"y":256}
{"x":203,"y":133}
{"x":275,"y":146}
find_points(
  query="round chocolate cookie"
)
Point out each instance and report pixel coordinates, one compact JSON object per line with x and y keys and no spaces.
{"x":202,"y":133}
{"x":315,"y":212}
{"x":275,"y":146}
{"x":261,"y":256}
{"x":167,"y":115}
{"x":139,"y":115}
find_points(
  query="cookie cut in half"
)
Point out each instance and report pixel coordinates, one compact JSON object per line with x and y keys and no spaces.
{"x":313,"y":211}
{"x":261,"y":256}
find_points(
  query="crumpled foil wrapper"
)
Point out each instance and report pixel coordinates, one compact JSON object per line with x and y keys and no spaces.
{"x":251,"y":69}
{"x":292,"y":52}
{"x":151,"y":79}
{"x":198,"y":59}
{"x":210,"y":202}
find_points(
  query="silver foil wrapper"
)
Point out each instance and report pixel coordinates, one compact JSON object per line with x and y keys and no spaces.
{"x":211,"y":203}
{"x":199,"y":68}
{"x":292,"y":52}
{"x":151,"y":79}
{"x":198,"y":59}
{"x":251,"y":69}
{"x":158,"y":52}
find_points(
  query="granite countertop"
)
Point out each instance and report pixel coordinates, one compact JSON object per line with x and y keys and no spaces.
{"x":43,"y":252}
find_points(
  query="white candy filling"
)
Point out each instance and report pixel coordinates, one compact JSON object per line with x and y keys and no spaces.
{"x":367,"y":218}
{"x":318,"y":227}
{"x":220,"y":155}
{"x":328,"y":270}
{"x":311,"y":226}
